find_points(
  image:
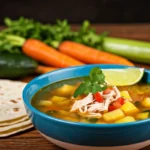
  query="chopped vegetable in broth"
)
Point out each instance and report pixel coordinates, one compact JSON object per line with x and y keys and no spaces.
{"x":93,"y":101}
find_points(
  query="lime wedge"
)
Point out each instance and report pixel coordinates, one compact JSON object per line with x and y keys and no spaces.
{"x":123,"y":77}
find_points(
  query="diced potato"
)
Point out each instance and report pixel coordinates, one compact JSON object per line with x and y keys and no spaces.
{"x":64,"y":113}
{"x":113,"y":115}
{"x":146,"y":102}
{"x":68,"y":114}
{"x":65,"y":90}
{"x":65,"y":102}
{"x":125,"y":95}
{"x":142,"y":116}
{"x":128,"y":108}
{"x":44,"y":103}
{"x":125,"y":119}
{"x":84,"y":120}
{"x":57,"y":99}
{"x":71,"y":119}
{"x":101,"y":121}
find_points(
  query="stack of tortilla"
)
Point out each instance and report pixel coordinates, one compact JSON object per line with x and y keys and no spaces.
{"x":13,"y":116}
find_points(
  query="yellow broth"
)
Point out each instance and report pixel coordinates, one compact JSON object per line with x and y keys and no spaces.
{"x":57,"y":99}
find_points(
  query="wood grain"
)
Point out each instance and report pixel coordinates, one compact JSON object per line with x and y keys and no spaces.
{"x":27,"y":140}
{"x":31,"y":139}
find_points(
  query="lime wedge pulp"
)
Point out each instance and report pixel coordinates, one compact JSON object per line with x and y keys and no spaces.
{"x":123,"y":77}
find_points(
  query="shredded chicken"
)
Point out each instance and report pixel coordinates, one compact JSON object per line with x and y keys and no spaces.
{"x":89,"y":107}
{"x":81,"y":104}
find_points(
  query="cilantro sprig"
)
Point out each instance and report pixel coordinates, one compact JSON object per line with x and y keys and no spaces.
{"x":93,"y":83}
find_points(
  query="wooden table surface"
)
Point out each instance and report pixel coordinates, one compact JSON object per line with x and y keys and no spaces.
{"x":31,"y":139}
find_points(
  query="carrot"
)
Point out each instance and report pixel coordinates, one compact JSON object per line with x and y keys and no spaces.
{"x":44,"y":69}
{"x":48,"y":55}
{"x":91,"y":55}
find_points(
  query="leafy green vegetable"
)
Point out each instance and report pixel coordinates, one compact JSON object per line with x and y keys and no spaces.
{"x":92,"y":120}
{"x":10,"y":43}
{"x":137,"y":103}
{"x":28,"y":28}
{"x":51,"y":112}
{"x":93,"y":83}
{"x":52,"y":35}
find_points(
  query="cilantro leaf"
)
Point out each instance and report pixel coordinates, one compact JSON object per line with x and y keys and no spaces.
{"x":80,"y":90}
{"x":93,"y":83}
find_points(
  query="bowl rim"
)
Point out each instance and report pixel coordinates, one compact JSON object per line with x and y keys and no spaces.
{"x":50,"y":118}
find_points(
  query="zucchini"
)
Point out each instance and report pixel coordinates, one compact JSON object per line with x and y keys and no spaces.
{"x":16,"y":65}
{"x":133,"y":50}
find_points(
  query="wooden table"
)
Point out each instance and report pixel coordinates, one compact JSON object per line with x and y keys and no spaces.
{"x":31,"y":139}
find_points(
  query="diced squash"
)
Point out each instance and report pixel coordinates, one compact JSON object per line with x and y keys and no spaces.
{"x":44,"y":103}
{"x":65,"y":90}
{"x":125,"y":95}
{"x":57,"y":99}
{"x":128,"y":108}
{"x":146,"y":102}
{"x":113,"y":115}
{"x":125,"y":119}
{"x":142,"y":116}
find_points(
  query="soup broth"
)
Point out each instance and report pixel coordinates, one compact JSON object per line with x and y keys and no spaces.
{"x":57,"y":101}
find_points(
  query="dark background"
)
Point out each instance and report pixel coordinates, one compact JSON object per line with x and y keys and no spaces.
{"x":97,"y":11}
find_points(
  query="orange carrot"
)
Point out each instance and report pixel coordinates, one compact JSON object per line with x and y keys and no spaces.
{"x":91,"y":55}
{"x":44,"y":69}
{"x":48,"y":55}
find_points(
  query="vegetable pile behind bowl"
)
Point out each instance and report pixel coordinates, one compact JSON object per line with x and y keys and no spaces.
{"x":58,"y":46}
{"x":77,"y":135}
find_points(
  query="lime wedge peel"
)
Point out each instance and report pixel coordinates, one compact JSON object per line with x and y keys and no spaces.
{"x":123,"y":77}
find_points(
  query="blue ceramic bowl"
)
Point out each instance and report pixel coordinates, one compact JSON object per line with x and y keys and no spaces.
{"x":79,"y":136}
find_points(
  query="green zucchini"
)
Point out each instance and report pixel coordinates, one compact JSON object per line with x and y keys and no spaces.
{"x":136,"y":51}
{"x":16,"y":65}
